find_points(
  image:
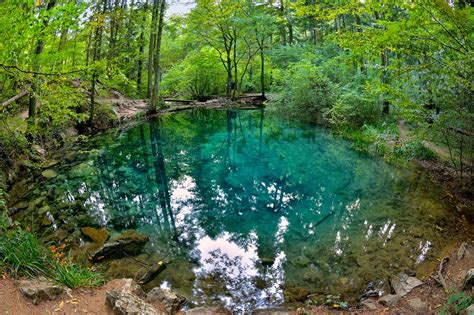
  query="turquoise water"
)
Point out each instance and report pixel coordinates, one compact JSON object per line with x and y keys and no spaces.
{"x":247,"y":207}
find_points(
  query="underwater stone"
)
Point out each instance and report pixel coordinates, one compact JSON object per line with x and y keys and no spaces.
{"x":49,"y":163}
{"x":296,"y":294}
{"x":49,"y":173}
{"x":171,"y":301}
{"x":129,"y":242}
{"x":98,"y":236}
{"x":210,"y":310}
{"x":402,"y":284}
{"x":81,"y":170}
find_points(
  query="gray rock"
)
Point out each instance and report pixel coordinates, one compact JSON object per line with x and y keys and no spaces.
{"x":272,"y":311}
{"x":127,"y":285}
{"x":211,"y":310}
{"x":128,"y":243}
{"x":170,"y":301}
{"x":462,"y":251}
{"x":418,"y":306}
{"x":389,"y":300}
{"x":470,"y":310}
{"x":468,"y":281}
{"x":403,"y":284}
{"x":125,"y":303}
{"x":40,"y":289}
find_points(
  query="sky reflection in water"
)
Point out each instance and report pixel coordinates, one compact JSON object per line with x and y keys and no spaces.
{"x":251,"y":205}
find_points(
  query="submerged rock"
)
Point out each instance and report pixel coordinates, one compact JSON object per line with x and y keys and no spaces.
{"x":402,"y":284}
{"x":98,"y":236}
{"x":169,"y":300}
{"x":209,"y":310}
{"x":40,"y":289}
{"x":296,"y":294}
{"x":81,"y":170}
{"x":128,"y":243}
{"x":124,"y":303}
{"x":49,"y":173}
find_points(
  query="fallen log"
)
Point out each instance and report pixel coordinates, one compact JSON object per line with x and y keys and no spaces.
{"x":178,"y":101}
{"x":14,"y":98}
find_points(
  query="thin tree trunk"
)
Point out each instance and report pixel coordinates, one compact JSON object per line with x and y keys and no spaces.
{"x":157,"y":66}
{"x":151,"y":47}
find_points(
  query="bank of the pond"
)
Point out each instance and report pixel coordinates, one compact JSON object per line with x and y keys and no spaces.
{"x":430,"y":294}
{"x":429,"y":297}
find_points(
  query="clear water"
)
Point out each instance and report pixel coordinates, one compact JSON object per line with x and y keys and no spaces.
{"x":246,"y":207}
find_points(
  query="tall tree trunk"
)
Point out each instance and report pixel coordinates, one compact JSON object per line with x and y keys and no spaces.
{"x":157,"y":67}
{"x":151,"y":47}
{"x":95,"y":57}
{"x":141,"y":50}
{"x":384,"y":59}
{"x":262,"y":70}
{"x":36,"y":67}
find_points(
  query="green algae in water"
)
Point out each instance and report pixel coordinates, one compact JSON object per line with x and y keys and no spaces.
{"x":247,"y":206}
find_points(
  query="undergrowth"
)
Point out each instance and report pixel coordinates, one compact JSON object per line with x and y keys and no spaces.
{"x":383,"y":140}
{"x":23,"y":255}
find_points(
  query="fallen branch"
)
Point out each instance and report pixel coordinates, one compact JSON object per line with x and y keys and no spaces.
{"x":178,"y":101}
{"x":14,"y":98}
{"x":439,"y":277}
{"x":8,"y":67}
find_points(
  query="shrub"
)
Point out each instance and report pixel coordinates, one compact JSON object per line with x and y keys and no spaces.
{"x":354,"y":109}
{"x":307,"y":94}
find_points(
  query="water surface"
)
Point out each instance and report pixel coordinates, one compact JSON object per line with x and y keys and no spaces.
{"x":247,"y":207}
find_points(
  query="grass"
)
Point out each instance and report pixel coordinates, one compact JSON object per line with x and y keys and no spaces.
{"x":23,"y":255}
{"x":457,"y":303}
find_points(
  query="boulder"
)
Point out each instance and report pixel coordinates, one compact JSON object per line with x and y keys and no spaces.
{"x":296,"y":294}
{"x":49,"y":163}
{"x":389,"y":300}
{"x":167,"y":299}
{"x":469,"y":310}
{"x":127,"y":285}
{"x":209,"y":310}
{"x":49,"y":173}
{"x":418,"y":306}
{"x":128,"y":243}
{"x":468,"y":281}
{"x":98,"y":236}
{"x":124,"y":303}
{"x":402,"y":284}
{"x":40,"y":289}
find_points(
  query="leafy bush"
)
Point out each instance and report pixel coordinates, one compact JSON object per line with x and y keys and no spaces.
{"x":354,"y":109}
{"x":21,"y":254}
{"x":307,"y":94}
{"x":457,"y":303}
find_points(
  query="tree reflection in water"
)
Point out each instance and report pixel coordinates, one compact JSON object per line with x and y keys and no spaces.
{"x":249,"y":203}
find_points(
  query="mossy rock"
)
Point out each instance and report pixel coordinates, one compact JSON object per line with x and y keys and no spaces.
{"x":81,"y":170}
{"x":296,"y":294}
{"x":49,"y":173}
{"x":98,"y":236}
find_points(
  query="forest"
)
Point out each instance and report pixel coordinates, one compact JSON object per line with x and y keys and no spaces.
{"x":162,"y":129}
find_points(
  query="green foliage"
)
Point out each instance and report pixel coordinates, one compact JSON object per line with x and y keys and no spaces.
{"x":457,"y":303}
{"x":198,"y":76}
{"x":21,"y":254}
{"x":354,"y":109}
{"x":75,"y":275}
{"x":307,"y":94}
